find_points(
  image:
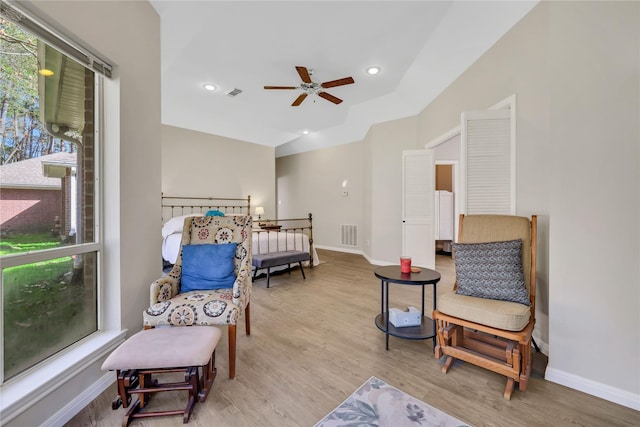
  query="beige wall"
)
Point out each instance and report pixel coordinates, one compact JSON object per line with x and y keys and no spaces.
{"x":128,"y":34}
{"x":313,"y":182}
{"x":594,"y":204}
{"x":387,"y":141}
{"x":198,"y":164}
{"x":575,"y":75}
{"x":573,"y":67}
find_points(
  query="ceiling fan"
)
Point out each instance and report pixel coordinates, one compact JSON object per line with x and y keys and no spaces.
{"x":310,"y":87}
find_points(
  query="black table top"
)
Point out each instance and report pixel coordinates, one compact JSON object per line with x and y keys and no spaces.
{"x":393,"y":274}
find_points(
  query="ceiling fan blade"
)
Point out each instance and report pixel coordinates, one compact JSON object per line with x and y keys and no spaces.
{"x":299,"y":100}
{"x":339,"y":82}
{"x":304,"y":74}
{"x":329,"y":97}
{"x":280,"y":87}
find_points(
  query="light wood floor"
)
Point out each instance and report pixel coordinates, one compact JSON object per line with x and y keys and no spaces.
{"x":313,"y":342}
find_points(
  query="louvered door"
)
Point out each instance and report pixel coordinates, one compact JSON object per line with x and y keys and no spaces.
{"x":488,"y":162}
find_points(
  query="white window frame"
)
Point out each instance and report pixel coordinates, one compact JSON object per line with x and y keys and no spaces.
{"x":41,"y":381}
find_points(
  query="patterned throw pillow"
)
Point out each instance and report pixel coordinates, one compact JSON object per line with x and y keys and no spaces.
{"x":491,"y":270}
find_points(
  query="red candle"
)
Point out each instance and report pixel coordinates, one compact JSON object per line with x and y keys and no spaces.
{"x":405,"y":264}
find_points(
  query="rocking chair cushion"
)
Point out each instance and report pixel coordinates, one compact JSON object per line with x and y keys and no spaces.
{"x":491,"y":270}
{"x":506,"y":315}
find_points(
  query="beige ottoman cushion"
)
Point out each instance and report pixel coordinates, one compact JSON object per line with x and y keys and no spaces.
{"x":506,"y":315}
{"x":167,"y":347}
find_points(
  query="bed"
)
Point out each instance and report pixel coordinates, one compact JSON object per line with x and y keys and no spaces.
{"x":269,"y":235}
{"x":279,"y":235}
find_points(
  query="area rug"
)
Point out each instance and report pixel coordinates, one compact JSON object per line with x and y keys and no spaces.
{"x":376,"y":403}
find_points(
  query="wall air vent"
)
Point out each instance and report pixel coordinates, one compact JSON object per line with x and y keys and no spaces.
{"x":233,"y":92}
{"x":349,"y":235}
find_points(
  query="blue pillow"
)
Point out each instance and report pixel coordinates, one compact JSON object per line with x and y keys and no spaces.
{"x":208,"y":266}
{"x":214,"y":213}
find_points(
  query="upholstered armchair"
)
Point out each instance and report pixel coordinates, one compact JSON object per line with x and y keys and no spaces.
{"x":176,"y":301}
{"x":488,"y":321}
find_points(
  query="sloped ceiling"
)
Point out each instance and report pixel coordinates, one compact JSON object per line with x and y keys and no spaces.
{"x":420,"y":46}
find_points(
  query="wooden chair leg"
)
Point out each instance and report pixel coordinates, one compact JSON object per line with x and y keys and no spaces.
{"x":509,"y":388}
{"x":232,"y":351}
{"x":247,"y":319}
{"x":448,"y":364}
{"x":525,"y":370}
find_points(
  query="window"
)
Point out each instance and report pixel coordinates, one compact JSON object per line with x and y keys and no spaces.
{"x":49,"y":245}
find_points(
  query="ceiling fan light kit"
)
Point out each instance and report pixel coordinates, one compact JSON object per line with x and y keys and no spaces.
{"x":309,"y":87}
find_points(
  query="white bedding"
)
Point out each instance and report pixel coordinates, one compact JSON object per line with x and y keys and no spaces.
{"x":263,"y":241}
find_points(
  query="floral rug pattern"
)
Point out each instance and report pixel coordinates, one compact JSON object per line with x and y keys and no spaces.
{"x":377,"y":404}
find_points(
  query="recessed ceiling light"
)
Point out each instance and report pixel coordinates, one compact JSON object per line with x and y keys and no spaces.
{"x":373,"y":70}
{"x":305,"y":132}
{"x":209,"y":86}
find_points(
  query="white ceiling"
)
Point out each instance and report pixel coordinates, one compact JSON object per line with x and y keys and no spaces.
{"x":421,"y":46}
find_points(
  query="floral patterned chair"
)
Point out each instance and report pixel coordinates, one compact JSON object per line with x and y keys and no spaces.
{"x":171,"y":307}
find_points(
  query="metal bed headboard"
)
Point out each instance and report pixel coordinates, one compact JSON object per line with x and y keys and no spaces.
{"x":173,"y":206}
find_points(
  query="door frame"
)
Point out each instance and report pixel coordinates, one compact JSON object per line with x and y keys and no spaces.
{"x":455,"y":171}
{"x":452,"y":133}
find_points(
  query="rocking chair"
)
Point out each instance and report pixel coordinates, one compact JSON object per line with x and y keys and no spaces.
{"x":488,"y":321}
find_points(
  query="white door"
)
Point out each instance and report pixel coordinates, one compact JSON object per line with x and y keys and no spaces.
{"x":418,"y":185}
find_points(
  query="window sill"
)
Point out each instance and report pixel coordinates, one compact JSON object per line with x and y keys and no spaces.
{"x":22,"y":392}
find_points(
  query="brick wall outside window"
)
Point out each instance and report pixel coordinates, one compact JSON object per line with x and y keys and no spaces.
{"x":29,"y":210}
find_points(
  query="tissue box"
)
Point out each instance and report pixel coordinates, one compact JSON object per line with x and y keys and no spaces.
{"x":402,"y":318}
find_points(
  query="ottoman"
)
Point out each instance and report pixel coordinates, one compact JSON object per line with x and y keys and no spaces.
{"x":152,"y":352}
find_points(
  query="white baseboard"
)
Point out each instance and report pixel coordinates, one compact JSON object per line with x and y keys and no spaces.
{"x":353,"y":251}
{"x":339,"y":249}
{"x":594,"y":388}
{"x":65,"y":414}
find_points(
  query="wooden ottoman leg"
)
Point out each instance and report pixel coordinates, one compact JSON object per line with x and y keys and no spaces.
{"x":127,"y":380}
{"x":191,"y":377}
{"x":209,"y":373}
{"x":131,"y":413}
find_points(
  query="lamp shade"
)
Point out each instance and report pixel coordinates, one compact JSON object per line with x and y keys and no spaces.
{"x":259,"y":210}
